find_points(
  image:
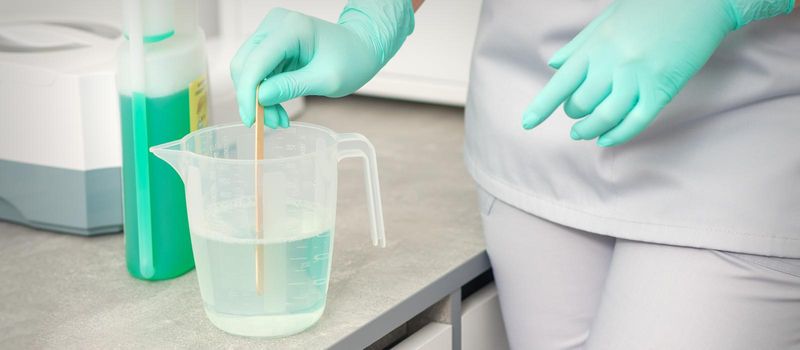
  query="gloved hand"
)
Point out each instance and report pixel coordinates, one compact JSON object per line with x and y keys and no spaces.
{"x":628,"y":63}
{"x":300,"y":55}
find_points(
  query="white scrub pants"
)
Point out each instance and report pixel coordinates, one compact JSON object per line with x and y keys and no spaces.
{"x":562,"y":288}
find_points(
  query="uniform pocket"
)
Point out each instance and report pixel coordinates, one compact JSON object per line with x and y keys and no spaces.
{"x":787,"y":266}
{"x":486,"y":201}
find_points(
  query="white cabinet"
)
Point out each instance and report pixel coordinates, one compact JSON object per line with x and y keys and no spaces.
{"x":481,"y":321}
{"x":434,"y":336}
{"x":481,"y":326}
{"x":432,"y":66}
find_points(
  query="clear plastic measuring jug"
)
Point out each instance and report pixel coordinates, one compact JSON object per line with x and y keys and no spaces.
{"x":270,"y":281}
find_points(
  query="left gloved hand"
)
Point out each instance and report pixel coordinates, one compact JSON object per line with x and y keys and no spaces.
{"x":626,"y":65}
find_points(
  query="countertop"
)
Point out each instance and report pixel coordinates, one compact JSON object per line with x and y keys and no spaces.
{"x":64,"y":291}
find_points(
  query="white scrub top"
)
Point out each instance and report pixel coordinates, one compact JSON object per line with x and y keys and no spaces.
{"x":718,"y":169}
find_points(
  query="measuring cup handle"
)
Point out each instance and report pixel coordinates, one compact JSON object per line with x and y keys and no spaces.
{"x":356,"y":145}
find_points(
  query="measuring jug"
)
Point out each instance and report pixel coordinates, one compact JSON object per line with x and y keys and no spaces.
{"x":270,"y":281}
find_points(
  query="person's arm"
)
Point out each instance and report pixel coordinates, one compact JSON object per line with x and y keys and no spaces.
{"x":292,"y":54}
{"x":416,"y":4}
{"x":624,"y":67}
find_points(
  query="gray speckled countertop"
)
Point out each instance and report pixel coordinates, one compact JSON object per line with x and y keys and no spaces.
{"x":63,"y":291}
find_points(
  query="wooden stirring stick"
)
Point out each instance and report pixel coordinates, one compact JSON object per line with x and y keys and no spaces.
{"x":259,"y":155}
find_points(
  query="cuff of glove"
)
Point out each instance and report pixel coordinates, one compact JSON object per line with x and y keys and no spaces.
{"x":746,"y":11}
{"x":384,"y":24}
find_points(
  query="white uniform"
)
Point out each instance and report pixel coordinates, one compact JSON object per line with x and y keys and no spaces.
{"x":562,"y":288}
{"x":718,"y":169}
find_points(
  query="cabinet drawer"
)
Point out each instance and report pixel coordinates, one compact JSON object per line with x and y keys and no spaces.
{"x":434,"y":336}
{"x":481,"y":321}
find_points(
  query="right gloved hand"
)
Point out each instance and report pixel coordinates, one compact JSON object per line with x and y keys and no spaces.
{"x":292,"y":55}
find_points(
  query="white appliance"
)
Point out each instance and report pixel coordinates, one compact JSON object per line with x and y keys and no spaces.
{"x":59,"y":117}
{"x":59,"y":123}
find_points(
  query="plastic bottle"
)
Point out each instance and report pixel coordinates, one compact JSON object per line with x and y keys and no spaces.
{"x":162,"y":85}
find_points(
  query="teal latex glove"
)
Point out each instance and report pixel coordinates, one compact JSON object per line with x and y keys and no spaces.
{"x":291,"y":55}
{"x":628,"y":63}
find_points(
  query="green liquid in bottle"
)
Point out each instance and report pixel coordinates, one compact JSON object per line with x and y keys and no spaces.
{"x":168,"y":119}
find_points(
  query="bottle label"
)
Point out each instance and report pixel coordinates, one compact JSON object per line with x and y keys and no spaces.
{"x":198,"y":103}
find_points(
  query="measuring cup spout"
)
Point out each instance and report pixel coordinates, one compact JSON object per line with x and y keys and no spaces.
{"x":172,"y":153}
